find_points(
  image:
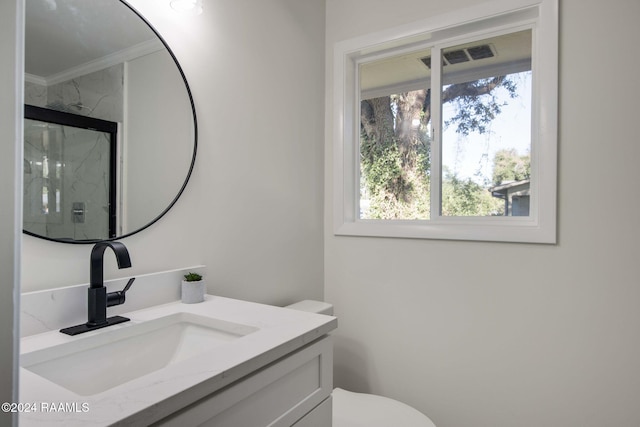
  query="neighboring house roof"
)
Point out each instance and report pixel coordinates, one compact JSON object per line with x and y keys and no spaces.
{"x":502,"y":190}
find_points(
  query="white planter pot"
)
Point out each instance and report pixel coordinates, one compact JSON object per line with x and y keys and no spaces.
{"x":193,"y":292}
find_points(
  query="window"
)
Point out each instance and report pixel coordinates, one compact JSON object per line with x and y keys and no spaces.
{"x":445,"y":131}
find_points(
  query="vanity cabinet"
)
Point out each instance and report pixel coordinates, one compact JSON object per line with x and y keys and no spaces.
{"x":292,"y":391}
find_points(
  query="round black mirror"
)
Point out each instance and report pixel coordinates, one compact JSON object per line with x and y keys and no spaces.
{"x":110,"y":124}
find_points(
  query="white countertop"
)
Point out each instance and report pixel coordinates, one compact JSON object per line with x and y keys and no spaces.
{"x":156,"y":395}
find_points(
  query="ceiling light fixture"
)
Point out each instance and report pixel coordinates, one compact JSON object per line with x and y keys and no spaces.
{"x":193,"y":7}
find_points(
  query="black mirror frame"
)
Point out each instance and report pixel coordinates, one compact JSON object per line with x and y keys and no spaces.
{"x":193,"y":157}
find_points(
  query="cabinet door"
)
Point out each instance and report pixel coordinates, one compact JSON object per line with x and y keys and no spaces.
{"x":277,"y":395}
{"x":321,"y":416}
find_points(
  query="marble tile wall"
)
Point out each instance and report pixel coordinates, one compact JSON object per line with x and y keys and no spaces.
{"x":35,"y":94}
{"x":82,"y":156}
{"x":99,"y":94}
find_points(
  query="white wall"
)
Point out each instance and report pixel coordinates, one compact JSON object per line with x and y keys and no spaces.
{"x":253,"y":210}
{"x":491,"y":334}
{"x":10,"y":209}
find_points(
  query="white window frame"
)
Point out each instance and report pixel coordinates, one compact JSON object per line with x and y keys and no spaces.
{"x":482,"y":20}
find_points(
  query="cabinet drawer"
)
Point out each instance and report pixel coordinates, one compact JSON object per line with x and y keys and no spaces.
{"x":277,"y":395}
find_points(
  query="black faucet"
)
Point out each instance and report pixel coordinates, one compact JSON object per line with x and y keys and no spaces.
{"x":98,"y":298}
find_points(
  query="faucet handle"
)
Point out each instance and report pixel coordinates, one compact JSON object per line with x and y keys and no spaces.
{"x":118,"y":297}
{"x":129,"y":283}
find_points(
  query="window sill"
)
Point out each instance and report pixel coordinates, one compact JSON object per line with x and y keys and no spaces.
{"x":495,"y":229}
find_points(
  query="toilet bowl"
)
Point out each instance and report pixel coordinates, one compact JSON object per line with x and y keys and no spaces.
{"x":369,"y":410}
{"x":365,"y":410}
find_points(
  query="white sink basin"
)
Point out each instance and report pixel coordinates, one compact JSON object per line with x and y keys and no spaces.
{"x":93,"y":364}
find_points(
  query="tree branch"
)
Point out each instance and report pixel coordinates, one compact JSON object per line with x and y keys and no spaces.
{"x":471,"y":89}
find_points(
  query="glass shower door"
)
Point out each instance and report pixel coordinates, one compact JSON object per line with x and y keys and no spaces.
{"x":69,"y":181}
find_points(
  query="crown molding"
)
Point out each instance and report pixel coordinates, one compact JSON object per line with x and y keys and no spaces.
{"x":107,"y":61}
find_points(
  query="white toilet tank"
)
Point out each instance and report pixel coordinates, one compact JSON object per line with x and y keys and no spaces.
{"x":313,"y":307}
{"x":365,"y":410}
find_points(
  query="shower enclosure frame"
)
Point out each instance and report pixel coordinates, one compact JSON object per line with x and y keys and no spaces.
{"x":89,"y":123}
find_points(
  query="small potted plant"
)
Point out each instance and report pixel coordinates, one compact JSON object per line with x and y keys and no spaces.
{"x":193,"y":288}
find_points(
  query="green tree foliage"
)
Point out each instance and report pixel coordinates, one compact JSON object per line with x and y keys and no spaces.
{"x":395,"y":191}
{"x":509,"y":166}
{"x":467,"y":198}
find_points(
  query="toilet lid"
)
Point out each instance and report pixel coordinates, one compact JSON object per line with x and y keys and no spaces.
{"x":368,"y":410}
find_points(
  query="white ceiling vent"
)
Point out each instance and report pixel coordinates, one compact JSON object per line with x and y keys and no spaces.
{"x":466,"y":54}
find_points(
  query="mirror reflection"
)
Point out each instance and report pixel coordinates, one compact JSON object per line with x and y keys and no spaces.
{"x":109,"y":122}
